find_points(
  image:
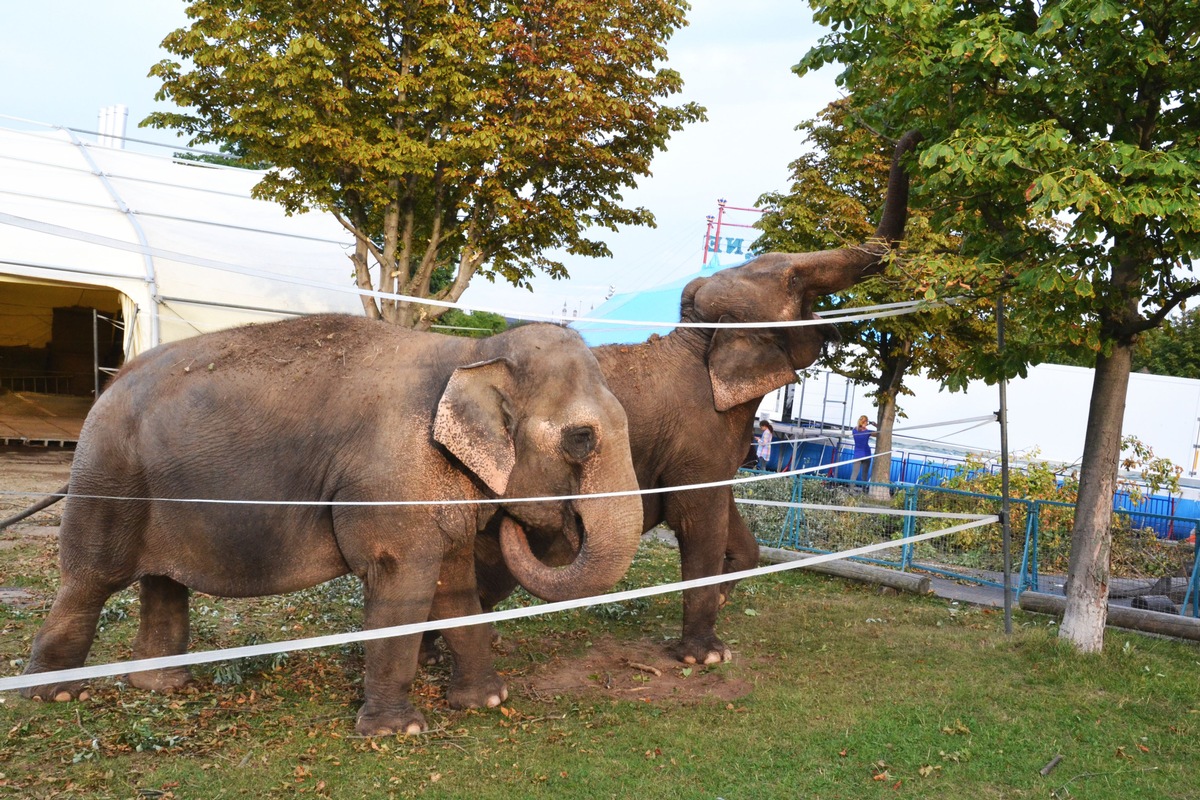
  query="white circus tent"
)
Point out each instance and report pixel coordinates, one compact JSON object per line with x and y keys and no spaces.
{"x":166,"y":248}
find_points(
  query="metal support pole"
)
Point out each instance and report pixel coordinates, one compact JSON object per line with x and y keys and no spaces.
{"x":1005,"y":527}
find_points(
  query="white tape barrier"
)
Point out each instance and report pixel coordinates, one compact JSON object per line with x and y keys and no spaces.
{"x":480,"y":501}
{"x":993,"y":417}
{"x":895,"y":512}
{"x":334,"y":640}
{"x":850,"y":315}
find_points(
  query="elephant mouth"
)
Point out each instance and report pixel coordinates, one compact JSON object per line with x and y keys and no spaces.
{"x":553,"y":543}
{"x":574,"y":530}
{"x":826,"y":330}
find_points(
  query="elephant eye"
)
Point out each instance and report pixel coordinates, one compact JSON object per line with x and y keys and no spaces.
{"x":579,"y":442}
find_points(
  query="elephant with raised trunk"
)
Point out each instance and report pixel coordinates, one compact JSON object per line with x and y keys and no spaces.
{"x":347,"y":412}
{"x":692,"y":396}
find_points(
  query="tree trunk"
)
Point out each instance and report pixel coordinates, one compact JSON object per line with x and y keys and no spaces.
{"x":1091,"y":536}
{"x":362,"y":276}
{"x":896,"y":363}
{"x":881,"y":466}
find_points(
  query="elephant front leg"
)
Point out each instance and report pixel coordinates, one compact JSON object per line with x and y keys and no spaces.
{"x":162,"y":631}
{"x":703,"y":533}
{"x":394,"y":596}
{"x":474,"y":682}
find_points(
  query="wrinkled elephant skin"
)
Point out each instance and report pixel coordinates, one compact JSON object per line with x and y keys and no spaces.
{"x":341,"y":410}
{"x":691,"y":398}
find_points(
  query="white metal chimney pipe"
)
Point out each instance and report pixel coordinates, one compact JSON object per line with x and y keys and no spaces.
{"x":112,"y":125}
{"x":105,"y":115}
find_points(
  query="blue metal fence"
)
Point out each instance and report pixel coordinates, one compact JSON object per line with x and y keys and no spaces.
{"x":1144,"y":562}
{"x":1170,"y":517}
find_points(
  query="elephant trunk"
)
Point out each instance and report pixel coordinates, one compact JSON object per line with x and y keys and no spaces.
{"x":611,"y":529}
{"x":895,"y":207}
{"x":867,"y":259}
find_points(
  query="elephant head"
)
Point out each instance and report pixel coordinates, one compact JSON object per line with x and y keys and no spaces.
{"x":745,"y":364}
{"x":548,"y":426}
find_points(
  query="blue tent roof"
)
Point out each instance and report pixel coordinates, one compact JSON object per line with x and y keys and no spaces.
{"x":657,"y":304}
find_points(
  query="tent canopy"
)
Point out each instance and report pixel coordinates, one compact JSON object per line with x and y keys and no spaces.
{"x":656,"y":304}
{"x":174,"y":247}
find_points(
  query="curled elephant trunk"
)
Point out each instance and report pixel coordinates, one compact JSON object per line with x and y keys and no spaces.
{"x":610,"y":529}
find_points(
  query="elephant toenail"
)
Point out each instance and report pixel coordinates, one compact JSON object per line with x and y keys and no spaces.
{"x":413,"y":729}
{"x":689,"y":659}
{"x":494,"y":701}
{"x":62,"y":696}
{"x":36,"y":698}
{"x":712,"y":658}
{"x":503,"y":693}
{"x":85,"y":695}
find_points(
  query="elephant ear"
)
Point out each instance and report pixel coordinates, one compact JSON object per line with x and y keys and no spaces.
{"x":746,"y":363}
{"x":474,"y":421}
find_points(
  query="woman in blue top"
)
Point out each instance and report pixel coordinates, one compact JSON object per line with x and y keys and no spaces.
{"x":862,"y":449}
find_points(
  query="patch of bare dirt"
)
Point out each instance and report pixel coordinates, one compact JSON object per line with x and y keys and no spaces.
{"x":26,"y":476}
{"x":630,"y":670}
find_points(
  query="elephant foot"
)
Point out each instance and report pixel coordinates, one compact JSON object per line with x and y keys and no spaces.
{"x":57,"y":692}
{"x":388,"y":722}
{"x":487,"y":692}
{"x":162,"y":681}
{"x":701,"y":650}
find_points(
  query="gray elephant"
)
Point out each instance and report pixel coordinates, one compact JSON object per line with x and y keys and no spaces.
{"x":692,"y":396}
{"x":344,"y":410}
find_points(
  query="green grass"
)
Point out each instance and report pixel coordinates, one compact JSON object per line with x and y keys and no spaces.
{"x":850,"y":694}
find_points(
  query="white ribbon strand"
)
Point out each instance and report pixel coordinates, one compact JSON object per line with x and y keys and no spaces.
{"x":311,"y":643}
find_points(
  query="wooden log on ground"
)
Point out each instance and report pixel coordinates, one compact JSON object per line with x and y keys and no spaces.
{"x":843,"y":568}
{"x":1119,"y":616}
{"x":1155,"y":602}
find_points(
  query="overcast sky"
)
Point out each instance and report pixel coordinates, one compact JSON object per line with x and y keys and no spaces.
{"x":63,"y":60}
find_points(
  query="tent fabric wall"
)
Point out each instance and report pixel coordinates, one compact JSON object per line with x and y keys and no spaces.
{"x":186,"y":246}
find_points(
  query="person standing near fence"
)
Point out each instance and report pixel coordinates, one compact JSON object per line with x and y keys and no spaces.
{"x":766,"y":433}
{"x":862,"y":450}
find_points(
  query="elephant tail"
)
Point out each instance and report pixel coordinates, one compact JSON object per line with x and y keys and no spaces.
{"x":45,"y":502}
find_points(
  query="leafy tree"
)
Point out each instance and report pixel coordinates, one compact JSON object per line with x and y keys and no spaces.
{"x":230,"y":155}
{"x":1173,"y":349}
{"x":836,"y":186}
{"x":453,"y":139}
{"x":1063,"y":145}
{"x":472,"y":324}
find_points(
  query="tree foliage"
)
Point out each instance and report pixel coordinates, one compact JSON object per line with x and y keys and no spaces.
{"x":837,"y":186}
{"x":452,"y":139}
{"x":1063,"y":145}
{"x":1173,"y":349}
{"x":472,"y":324}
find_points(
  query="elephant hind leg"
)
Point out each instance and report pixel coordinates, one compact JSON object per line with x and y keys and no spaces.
{"x":741,"y":549}
{"x":162,"y":631}
{"x":66,"y":637}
